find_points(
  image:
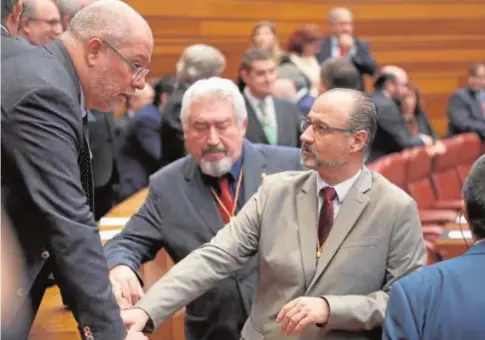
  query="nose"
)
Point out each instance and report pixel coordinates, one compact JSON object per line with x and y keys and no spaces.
{"x":139,"y":83}
{"x":307,"y":135}
{"x":213,"y":137}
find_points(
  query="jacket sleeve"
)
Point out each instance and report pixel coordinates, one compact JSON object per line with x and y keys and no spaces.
{"x":459,"y":116}
{"x":43,"y":135}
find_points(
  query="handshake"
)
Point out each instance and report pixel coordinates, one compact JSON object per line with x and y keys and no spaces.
{"x":127,"y":291}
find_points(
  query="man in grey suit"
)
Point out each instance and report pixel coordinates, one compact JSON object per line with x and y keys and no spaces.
{"x":271,"y":120}
{"x":47,"y":189}
{"x":466,"y":107}
{"x":321,"y":274}
{"x":11,"y":45}
{"x":183,"y":208}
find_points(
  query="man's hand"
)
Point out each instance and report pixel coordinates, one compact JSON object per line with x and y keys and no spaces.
{"x":126,"y":287}
{"x":301,"y":312}
{"x":346,"y":43}
{"x":135,"y":336}
{"x":135,"y":319}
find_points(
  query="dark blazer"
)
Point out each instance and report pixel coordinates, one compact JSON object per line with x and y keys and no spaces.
{"x":42,"y":139}
{"x":140,"y":153}
{"x":12,"y":47}
{"x":392,"y":134}
{"x":465,"y":113}
{"x":287,"y":120}
{"x":444,"y":301}
{"x":362,"y":59}
{"x":171,"y":134}
{"x":180,"y":215}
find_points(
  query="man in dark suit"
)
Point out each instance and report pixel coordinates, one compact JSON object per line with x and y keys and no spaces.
{"x":11,"y":46}
{"x":445,"y":301}
{"x":47,"y":190}
{"x":187,"y":205}
{"x":342,"y":43}
{"x":466,"y":107}
{"x":271,"y":120}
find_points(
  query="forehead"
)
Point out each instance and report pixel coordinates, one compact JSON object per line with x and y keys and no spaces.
{"x":48,"y":8}
{"x":343,"y":16}
{"x":207,"y":110}
{"x":139,"y":47}
{"x":259,"y":65}
{"x":333,"y":110}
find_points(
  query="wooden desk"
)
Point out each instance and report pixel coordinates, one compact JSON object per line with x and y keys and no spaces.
{"x":451,"y":244}
{"x":54,"y":322}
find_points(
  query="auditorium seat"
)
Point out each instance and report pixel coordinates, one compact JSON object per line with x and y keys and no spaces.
{"x":393,"y":167}
{"x":469,"y":153}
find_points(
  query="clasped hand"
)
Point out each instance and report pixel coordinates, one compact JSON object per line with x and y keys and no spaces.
{"x":301,"y":312}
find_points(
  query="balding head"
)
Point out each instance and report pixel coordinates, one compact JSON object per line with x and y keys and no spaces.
{"x":199,"y":61}
{"x":111,"y":46}
{"x":68,"y":8}
{"x":341,"y":21}
{"x":41,"y":21}
{"x":11,"y":11}
{"x":401,"y":76}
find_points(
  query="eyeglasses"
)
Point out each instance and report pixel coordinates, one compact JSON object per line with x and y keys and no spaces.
{"x":139,"y":72}
{"x":321,"y":128}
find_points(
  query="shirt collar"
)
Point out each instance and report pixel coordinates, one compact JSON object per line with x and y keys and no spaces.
{"x":255,"y":101}
{"x":5,"y":30}
{"x":342,"y":188}
{"x":83,"y":104}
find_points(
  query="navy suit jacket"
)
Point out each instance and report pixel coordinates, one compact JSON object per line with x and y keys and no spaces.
{"x":445,"y":301}
{"x":180,"y":215}
{"x":465,"y":113}
{"x":140,"y":154}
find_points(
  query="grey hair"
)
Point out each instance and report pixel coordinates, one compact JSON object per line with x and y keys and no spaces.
{"x":474,"y":195}
{"x":339,"y":72}
{"x":71,"y":7}
{"x":7,"y":8}
{"x":291,"y":72}
{"x":30,"y":9}
{"x":334,"y":14}
{"x":112,"y":20}
{"x":213,"y":88}
{"x":199,"y":61}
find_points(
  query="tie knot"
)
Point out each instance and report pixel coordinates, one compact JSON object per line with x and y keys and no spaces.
{"x":328,"y":193}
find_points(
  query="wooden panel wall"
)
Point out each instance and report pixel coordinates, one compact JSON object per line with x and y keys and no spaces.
{"x":435,"y":40}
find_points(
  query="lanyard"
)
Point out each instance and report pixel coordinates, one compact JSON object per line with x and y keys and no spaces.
{"x":238,"y":188}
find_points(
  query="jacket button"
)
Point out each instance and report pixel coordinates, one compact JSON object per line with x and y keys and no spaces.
{"x":45,"y":255}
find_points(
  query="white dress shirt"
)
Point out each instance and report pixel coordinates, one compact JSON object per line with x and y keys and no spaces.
{"x":255,"y":104}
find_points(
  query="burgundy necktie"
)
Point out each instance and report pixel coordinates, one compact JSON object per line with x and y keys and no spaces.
{"x":325,"y":221}
{"x":226,"y":199}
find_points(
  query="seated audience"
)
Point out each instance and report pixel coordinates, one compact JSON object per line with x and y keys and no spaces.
{"x":466,"y":107}
{"x":197,"y":62}
{"x":41,"y":21}
{"x":192,"y":198}
{"x":445,"y":301}
{"x":271,"y":120}
{"x":342,"y":43}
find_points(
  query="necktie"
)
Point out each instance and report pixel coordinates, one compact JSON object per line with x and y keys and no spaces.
{"x":325,"y":221}
{"x":268,"y":127}
{"x":85,"y":166}
{"x":226,"y":203}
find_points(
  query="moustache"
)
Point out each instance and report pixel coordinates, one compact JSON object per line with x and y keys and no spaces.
{"x":213,"y":150}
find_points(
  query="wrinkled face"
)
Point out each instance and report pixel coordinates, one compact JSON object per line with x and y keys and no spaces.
{"x":264,"y":38}
{"x":477,"y":82}
{"x":343,"y":24}
{"x":116,"y":72}
{"x":260,"y":79}
{"x":45,"y":26}
{"x":213,"y":135}
{"x":327,"y":140}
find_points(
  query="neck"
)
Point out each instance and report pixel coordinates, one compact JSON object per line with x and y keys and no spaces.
{"x":334,"y":175}
{"x":73,"y":48}
{"x":257,"y":95}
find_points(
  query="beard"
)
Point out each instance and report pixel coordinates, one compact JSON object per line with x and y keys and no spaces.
{"x":108,"y":97}
{"x":216,"y":168}
{"x":315,"y":161}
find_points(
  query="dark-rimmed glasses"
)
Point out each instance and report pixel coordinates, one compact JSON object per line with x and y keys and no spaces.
{"x":138,"y":71}
{"x":321,"y":128}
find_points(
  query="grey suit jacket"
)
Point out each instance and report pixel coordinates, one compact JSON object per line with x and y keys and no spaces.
{"x":180,"y":215}
{"x":287,"y":121}
{"x":465,"y":114}
{"x":375,"y":239}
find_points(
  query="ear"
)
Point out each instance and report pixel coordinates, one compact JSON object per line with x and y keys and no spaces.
{"x":244,"y":126}
{"x":93,"y":51}
{"x":24,"y":25}
{"x":244,"y":75}
{"x":359,"y":141}
{"x":17,"y":12}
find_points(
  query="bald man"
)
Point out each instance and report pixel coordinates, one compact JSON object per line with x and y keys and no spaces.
{"x":47,"y":184}
{"x":41,"y":21}
{"x":342,"y":43}
{"x":330,"y":240}
{"x":68,"y":8}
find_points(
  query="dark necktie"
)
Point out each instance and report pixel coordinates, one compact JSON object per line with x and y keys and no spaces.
{"x":226,"y":204}
{"x":325,"y":221}
{"x":85,"y":165}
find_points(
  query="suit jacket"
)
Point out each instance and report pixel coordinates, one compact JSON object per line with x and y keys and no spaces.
{"x":140,"y":153}
{"x":375,"y":239}
{"x":444,"y":301}
{"x":103,"y":147}
{"x":287,"y":121}
{"x":42,"y":139}
{"x":180,"y":215}
{"x":362,"y":58}
{"x":392,"y":134}
{"x":465,"y":114}
{"x":12,"y":47}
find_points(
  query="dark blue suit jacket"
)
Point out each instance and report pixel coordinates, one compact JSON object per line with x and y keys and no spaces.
{"x":140,"y":152}
{"x":443,"y":301}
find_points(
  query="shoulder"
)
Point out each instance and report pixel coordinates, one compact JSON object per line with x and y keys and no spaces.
{"x":460,"y":94}
{"x":284,"y":102}
{"x":281,"y":182}
{"x":169,"y":175}
{"x":276,"y":152}
{"x":361,"y":43}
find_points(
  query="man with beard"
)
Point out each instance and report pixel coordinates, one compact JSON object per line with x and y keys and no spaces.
{"x":321,"y":274}
{"x":191,"y":199}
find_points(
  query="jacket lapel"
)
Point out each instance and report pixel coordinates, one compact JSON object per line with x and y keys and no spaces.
{"x":254,"y":123}
{"x":307,"y":211}
{"x":200,"y":196}
{"x":254,"y":168}
{"x":350,"y":211}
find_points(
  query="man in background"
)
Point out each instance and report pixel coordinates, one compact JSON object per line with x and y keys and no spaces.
{"x":338,"y":73}
{"x":41,"y":22}
{"x":342,"y":43}
{"x":11,"y":15}
{"x":68,"y":8}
